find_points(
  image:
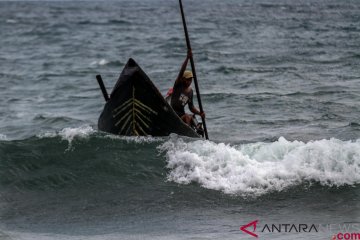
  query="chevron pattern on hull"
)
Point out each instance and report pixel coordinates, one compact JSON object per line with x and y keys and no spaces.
{"x":134,"y":117}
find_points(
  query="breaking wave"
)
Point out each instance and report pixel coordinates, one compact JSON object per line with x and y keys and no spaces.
{"x":82,"y":156}
{"x":259,"y":168}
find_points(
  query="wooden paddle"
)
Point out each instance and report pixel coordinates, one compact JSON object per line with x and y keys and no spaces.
{"x":193,"y":67}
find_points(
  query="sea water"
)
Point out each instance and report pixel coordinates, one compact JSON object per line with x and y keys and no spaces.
{"x":280,"y":85}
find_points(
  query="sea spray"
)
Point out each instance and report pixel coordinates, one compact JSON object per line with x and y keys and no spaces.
{"x":68,"y":134}
{"x":259,"y":168}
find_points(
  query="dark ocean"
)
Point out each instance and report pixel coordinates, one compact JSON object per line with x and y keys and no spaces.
{"x":280,"y":85}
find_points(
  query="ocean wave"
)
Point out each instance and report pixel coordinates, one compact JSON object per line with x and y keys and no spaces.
{"x":3,"y":137}
{"x":79,"y":157}
{"x":51,"y":119}
{"x":69,"y":133}
{"x":11,"y":21}
{"x":104,"y":62}
{"x":136,"y":139}
{"x":116,"y":21}
{"x":100,"y":62}
{"x":259,"y":168}
{"x":85,"y":131}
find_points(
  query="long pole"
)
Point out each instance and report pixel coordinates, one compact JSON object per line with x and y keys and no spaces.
{"x":193,"y":67}
{"x":102,"y":87}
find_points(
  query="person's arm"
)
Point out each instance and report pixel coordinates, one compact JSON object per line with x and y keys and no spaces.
{"x":193,"y":109}
{"x":196,"y":111}
{"x":183,"y":67}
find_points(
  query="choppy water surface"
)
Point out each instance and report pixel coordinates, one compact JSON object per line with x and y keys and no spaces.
{"x":280,"y":87}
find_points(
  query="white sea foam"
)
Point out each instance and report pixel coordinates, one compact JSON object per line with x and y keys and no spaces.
{"x":11,"y":21}
{"x":68,"y":134}
{"x":259,"y":168}
{"x":136,"y":139}
{"x":3,"y":137}
{"x":101,"y":62}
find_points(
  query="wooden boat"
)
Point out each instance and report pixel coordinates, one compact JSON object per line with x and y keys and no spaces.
{"x":137,"y":108}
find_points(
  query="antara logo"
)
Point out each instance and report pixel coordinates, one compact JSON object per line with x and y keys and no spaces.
{"x":278,"y":228}
{"x":244,"y":228}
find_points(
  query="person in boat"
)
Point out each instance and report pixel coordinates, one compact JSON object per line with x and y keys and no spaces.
{"x":182,"y":94}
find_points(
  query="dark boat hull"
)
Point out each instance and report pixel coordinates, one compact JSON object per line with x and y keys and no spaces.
{"x":137,"y":108}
